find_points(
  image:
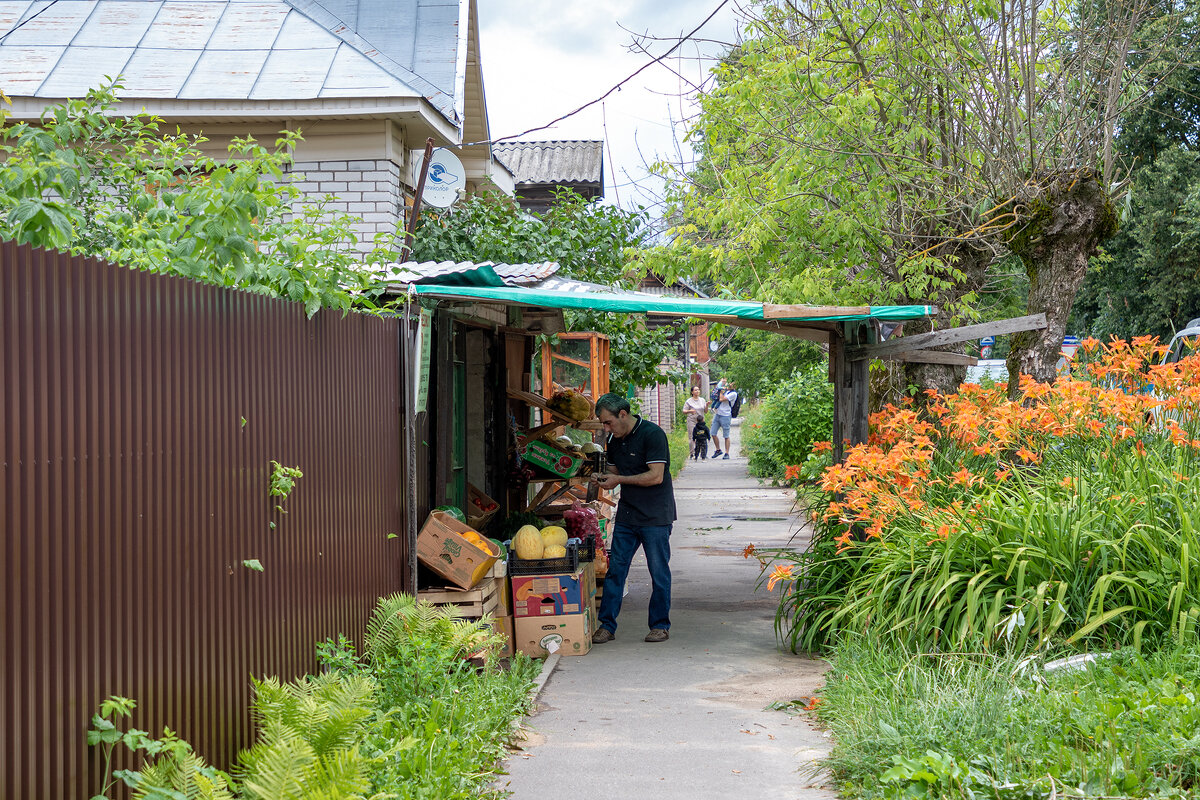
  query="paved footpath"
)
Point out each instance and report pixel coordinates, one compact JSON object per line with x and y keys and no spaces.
{"x":687,"y":718}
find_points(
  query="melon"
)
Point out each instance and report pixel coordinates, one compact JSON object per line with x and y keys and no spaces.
{"x":554,"y":534}
{"x":554,"y":551}
{"x":528,"y":543}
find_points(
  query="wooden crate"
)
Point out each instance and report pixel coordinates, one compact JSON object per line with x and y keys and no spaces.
{"x":468,"y":603}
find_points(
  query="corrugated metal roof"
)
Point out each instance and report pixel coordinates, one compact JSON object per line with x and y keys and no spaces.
{"x":553,"y":162}
{"x":234,"y":49}
{"x":511,"y":274}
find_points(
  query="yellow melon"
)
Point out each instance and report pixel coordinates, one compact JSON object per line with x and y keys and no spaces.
{"x":554,"y":534}
{"x":554,"y":551}
{"x":528,"y":543}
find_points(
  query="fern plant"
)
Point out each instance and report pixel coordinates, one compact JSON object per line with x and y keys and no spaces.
{"x":400,"y":618}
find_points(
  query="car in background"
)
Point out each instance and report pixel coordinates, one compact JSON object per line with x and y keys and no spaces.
{"x":1183,"y":344}
{"x":989,"y":370}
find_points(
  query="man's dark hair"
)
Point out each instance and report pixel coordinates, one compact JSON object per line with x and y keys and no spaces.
{"x":613,"y":403}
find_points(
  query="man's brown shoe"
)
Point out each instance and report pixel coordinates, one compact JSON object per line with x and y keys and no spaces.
{"x":655,"y":635}
{"x":604,"y":635}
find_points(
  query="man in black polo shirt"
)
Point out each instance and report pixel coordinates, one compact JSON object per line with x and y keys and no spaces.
{"x":639,"y":461}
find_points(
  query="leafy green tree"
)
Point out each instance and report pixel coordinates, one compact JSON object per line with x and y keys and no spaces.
{"x":116,"y":187}
{"x":1145,"y":281}
{"x":759,"y":361}
{"x":589,"y":241}
{"x":891,"y":151}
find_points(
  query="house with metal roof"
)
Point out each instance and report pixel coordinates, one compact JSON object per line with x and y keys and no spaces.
{"x":365,"y":81}
{"x":539,"y":168}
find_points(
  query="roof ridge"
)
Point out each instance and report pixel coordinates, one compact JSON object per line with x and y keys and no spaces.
{"x":319,"y":14}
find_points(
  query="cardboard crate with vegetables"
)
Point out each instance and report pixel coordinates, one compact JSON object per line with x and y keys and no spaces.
{"x":455,"y":551}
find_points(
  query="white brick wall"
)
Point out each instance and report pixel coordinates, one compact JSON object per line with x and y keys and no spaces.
{"x":369,"y":190}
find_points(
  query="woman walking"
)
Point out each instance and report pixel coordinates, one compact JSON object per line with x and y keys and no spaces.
{"x":695,"y":407}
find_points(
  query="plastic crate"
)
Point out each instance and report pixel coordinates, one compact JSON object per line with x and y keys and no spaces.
{"x":564,"y":565}
{"x":587,"y":550}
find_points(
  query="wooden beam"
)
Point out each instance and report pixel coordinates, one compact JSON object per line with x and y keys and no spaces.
{"x":810,"y":331}
{"x":933,"y":357}
{"x":773,"y":311}
{"x":923,"y":341}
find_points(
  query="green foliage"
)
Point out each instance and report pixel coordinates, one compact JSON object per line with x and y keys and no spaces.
{"x":413,"y":719}
{"x":119,"y":188}
{"x":953,"y":725}
{"x":1095,"y":545}
{"x":679,"y":444}
{"x":590,"y":242}
{"x":1146,"y":281}
{"x":759,"y":361}
{"x":781,"y":431}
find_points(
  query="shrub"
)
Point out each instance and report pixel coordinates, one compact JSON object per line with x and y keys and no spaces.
{"x":1061,"y":517}
{"x":788,"y":421}
{"x":412,"y":718}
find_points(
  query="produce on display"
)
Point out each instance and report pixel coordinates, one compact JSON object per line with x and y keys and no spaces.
{"x":528,"y":543}
{"x":453,"y":511}
{"x":570,"y":403}
{"x":517,"y":520}
{"x":582,"y":522}
{"x":554,"y":535}
{"x":554,"y":551}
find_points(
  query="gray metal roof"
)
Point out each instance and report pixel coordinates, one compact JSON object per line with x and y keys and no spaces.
{"x":236,"y":49}
{"x":553,"y":162}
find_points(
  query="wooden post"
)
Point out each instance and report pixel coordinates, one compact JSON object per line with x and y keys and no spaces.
{"x":851,"y":386}
{"x":837,"y":372}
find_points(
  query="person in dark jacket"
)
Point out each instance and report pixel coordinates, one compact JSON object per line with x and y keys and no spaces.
{"x":700,"y":437}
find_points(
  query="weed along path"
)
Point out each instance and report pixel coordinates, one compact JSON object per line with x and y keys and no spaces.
{"x":689,"y":717}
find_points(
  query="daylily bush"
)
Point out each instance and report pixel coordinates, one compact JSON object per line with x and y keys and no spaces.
{"x":1067,"y":515}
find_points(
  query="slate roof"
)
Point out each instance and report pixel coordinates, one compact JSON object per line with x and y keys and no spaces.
{"x":572,"y":161}
{"x":512,"y":274}
{"x":237,"y":50}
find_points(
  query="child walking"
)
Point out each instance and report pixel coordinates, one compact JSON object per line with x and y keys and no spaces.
{"x":700,"y":437}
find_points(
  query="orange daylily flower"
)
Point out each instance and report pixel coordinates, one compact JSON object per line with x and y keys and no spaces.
{"x":749,"y":551}
{"x":780,"y":573}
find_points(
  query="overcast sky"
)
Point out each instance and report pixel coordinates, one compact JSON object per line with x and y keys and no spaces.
{"x":544,"y":58}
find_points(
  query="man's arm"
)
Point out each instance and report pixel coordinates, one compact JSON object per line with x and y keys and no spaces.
{"x":653,"y":476}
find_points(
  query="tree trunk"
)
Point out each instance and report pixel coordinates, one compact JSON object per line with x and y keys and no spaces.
{"x":1067,"y":218}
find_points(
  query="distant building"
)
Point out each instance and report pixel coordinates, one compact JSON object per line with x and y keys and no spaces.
{"x":365,"y":82}
{"x":539,"y":168}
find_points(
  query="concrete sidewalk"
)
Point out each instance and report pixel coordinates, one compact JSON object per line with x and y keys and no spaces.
{"x":686,"y":718}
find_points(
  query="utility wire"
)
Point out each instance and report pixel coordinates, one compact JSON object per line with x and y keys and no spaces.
{"x":683,"y":40}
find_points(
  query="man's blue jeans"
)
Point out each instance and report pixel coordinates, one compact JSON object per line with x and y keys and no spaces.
{"x":655,"y":541}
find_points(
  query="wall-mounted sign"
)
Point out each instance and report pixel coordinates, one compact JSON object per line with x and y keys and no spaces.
{"x":445,"y":179}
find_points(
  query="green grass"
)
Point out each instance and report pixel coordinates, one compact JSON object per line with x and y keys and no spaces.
{"x":677,"y":439}
{"x":911,"y":724}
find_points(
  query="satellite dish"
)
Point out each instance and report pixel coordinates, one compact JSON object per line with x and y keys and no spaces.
{"x":712,"y":346}
{"x":445,"y":180}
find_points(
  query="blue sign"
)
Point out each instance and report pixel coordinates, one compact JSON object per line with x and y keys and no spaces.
{"x":987,"y":341}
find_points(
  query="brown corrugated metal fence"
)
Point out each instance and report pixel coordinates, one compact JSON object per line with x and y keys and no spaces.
{"x":140,"y":417}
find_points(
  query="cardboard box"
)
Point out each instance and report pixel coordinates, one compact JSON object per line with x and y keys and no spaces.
{"x":552,"y":459}
{"x":504,"y":625}
{"x":567,"y":634}
{"x":480,"y":507}
{"x":548,"y":595}
{"x":505,"y":596}
{"x":442,"y":547}
{"x":589,"y":580}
